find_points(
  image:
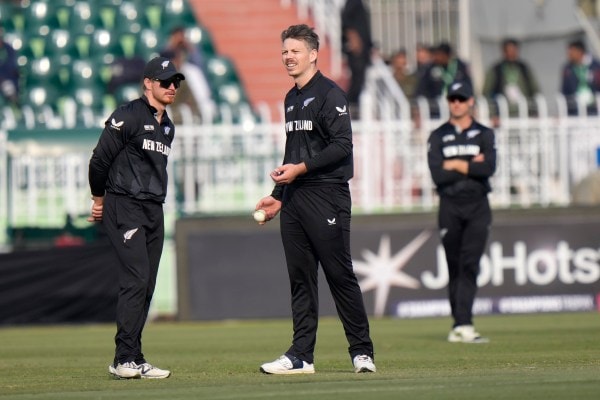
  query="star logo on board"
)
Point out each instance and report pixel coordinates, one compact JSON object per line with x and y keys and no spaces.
{"x":383,"y":270}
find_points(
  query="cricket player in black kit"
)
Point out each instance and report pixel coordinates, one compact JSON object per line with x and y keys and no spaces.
{"x":313,"y":196}
{"x":128,"y":181}
{"x":462,"y":158}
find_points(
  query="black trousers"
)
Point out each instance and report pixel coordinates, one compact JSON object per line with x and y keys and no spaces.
{"x":136,"y":231}
{"x":464,"y":229}
{"x":315,"y":228}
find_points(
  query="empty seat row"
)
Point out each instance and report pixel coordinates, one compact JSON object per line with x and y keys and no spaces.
{"x":85,"y":16}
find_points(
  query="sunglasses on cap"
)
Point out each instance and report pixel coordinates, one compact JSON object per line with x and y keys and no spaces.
{"x":165,"y":84}
{"x":452,"y":99}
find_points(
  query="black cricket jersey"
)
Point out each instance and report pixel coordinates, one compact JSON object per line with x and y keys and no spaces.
{"x":445,"y":143}
{"x":131,"y":155}
{"x":318,"y":133}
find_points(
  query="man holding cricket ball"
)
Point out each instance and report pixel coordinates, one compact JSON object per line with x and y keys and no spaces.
{"x":311,"y":192}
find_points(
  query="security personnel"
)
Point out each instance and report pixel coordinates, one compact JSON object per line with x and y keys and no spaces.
{"x":313,"y":196}
{"x":462,"y":158}
{"x":128,"y":181}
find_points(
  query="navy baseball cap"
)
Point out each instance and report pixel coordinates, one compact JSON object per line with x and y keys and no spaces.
{"x":161,"y":68}
{"x":461,"y":90}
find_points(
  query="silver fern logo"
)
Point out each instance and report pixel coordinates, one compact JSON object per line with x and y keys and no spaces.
{"x":129,"y":234}
{"x":308,"y":101}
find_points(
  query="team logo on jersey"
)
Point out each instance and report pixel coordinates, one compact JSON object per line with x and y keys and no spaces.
{"x":148,"y":127}
{"x":129,"y":234}
{"x":472,"y":133}
{"x":342,"y":110}
{"x":289,"y":109}
{"x":461,"y":150}
{"x":308,"y":101}
{"x":167,"y":130}
{"x":116,"y":125}
{"x":456,"y":86}
{"x":448,"y":138}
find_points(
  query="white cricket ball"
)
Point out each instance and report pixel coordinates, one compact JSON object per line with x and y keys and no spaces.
{"x":260,"y":216}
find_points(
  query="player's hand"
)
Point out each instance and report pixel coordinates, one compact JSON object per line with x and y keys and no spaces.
{"x":270,"y":206}
{"x":478,"y":158}
{"x":286,"y":174}
{"x":97,"y":206}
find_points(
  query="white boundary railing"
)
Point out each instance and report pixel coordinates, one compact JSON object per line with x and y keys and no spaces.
{"x":222,"y":169}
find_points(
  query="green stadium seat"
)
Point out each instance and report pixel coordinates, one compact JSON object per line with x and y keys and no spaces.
{"x":103,"y":45}
{"x":82,"y":19}
{"x":58,"y":42}
{"x":15,"y":39}
{"x":124,"y":45}
{"x":201,"y":38}
{"x":177,"y":13}
{"x":37,"y":17}
{"x":220,"y":71}
{"x":231,"y":93}
{"x":40,"y":96}
{"x":34,"y":46}
{"x":9,"y":15}
{"x":128,"y":92}
{"x":148,"y":44}
{"x":62,"y":11}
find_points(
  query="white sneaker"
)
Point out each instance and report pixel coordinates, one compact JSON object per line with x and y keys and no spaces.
{"x":149,"y":371}
{"x":363,"y":363}
{"x":285,"y":365}
{"x":466,"y":334}
{"x":128,"y":370}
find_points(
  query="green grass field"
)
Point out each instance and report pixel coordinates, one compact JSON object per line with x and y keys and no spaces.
{"x":547,"y":356}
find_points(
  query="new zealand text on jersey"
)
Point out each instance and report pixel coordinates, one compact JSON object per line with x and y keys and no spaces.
{"x":461,"y":150}
{"x":298,"y":125}
{"x":156,"y":146}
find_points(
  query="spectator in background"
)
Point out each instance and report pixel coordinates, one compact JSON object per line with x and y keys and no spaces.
{"x":445,"y":69}
{"x":580,"y":78}
{"x":194,"y":95}
{"x":182,"y":48}
{"x":510,"y":77}
{"x":9,"y":72}
{"x":424,"y":59}
{"x":357,"y":45}
{"x":406,"y":79}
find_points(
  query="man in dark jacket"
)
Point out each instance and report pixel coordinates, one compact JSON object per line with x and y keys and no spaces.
{"x":313,"y":196}
{"x":580,"y":79}
{"x":445,"y":69}
{"x":128,"y":181}
{"x":512,"y":78}
{"x":462,"y":157}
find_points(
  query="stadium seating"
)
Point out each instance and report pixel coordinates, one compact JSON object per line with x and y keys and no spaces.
{"x":66,"y":48}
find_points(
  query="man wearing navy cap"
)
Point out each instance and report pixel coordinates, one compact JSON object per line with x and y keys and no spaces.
{"x":128,"y":181}
{"x":462,"y":158}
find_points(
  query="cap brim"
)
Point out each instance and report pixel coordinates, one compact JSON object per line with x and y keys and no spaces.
{"x":458,"y":96}
{"x":169,"y":75}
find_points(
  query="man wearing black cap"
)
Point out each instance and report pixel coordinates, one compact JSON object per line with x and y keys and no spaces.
{"x":128,"y":181}
{"x":462,"y":158}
